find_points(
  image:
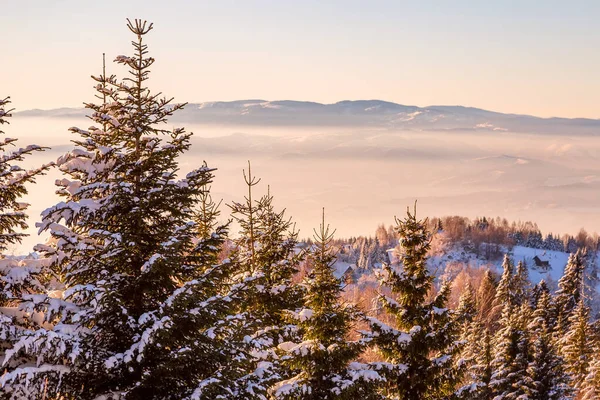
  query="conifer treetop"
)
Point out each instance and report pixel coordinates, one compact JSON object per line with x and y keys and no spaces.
{"x":323,"y":360}
{"x":420,"y":346}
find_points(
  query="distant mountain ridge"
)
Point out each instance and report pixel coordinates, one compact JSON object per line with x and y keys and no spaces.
{"x":359,"y":113}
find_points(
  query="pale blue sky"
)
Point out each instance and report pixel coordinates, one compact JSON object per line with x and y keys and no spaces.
{"x":534,"y":57}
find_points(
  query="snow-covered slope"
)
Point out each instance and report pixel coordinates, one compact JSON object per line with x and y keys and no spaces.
{"x":556,"y":260}
{"x":453,"y":260}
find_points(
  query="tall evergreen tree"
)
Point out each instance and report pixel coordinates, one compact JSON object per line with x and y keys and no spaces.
{"x":323,"y":361}
{"x":485,"y":299}
{"x":549,"y":380}
{"x":145,"y":313}
{"x":467,"y":306}
{"x":378,"y":254}
{"x":546,"y":368}
{"x":577,"y":345}
{"x":206,"y":216}
{"x":266,"y":259}
{"x":543,"y":309}
{"x":590,"y":389}
{"x":478,"y":355}
{"x":13,"y":180}
{"x":505,"y":289}
{"x":521,"y":285}
{"x":16,"y":276}
{"x":420,"y":348}
{"x":476,"y":351}
{"x":540,"y":289}
{"x":569,"y":290}
{"x":510,"y":379}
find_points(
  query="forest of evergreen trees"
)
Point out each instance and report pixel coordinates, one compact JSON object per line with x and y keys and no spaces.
{"x":487,"y":237}
{"x":140,"y":293}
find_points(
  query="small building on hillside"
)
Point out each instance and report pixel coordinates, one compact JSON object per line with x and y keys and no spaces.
{"x":344,"y":271}
{"x":540,"y":263}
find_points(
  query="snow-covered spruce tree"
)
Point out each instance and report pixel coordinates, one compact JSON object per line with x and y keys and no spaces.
{"x":513,"y":288}
{"x":476,"y":351}
{"x":577,"y":345}
{"x":504,"y":293}
{"x":16,"y":275}
{"x":505,"y":289}
{"x":510,"y":379}
{"x":485,"y":299}
{"x":379,"y":255}
{"x":420,"y":347}
{"x":478,"y":356}
{"x":323,"y":363}
{"x":467,"y":307}
{"x":13,"y":180}
{"x":521,"y":284}
{"x":549,"y":381}
{"x":543,"y":308}
{"x":266,"y":260}
{"x":541,"y":289}
{"x":466,"y":314}
{"x":569,"y":290}
{"x":590,"y":389}
{"x":146,"y":311}
{"x":546,"y":370}
{"x":206,"y":216}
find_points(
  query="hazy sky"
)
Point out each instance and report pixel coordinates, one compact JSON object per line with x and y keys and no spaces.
{"x":534,"y":57}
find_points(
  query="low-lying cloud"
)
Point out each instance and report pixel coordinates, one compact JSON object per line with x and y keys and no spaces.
{"x":366,"y":175}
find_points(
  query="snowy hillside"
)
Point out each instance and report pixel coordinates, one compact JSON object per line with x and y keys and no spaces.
{"x":556,"y":260}
{"x":455,"y":259}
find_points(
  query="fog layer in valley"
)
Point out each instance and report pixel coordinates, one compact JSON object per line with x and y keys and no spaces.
{"x":367,"y":175}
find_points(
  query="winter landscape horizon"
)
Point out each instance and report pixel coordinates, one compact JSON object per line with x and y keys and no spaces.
{"x":416,"y":217}
{"x":454,"y":160}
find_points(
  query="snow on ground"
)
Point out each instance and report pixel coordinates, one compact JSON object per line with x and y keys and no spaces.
{"x":556,"y":259}
{"x":340,"y":268}
{"x":450,"y":261}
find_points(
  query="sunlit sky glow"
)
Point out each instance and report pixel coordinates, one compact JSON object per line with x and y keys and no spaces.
{"x":530,"y":57}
